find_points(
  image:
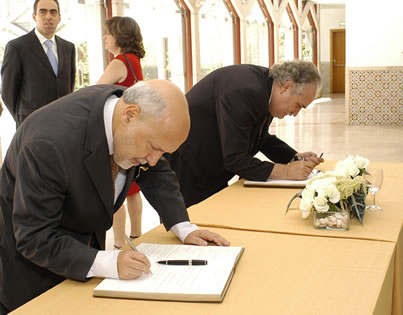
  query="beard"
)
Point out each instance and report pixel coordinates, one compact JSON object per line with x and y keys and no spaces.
{"x":122,"y":162}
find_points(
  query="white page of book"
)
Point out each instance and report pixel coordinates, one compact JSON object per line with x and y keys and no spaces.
{"x":282,"y":182}
{"x":204,"y":279}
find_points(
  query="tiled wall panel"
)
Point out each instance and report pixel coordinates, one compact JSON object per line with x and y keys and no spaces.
{"x":324,"y":70}
{"x":374,"y":96}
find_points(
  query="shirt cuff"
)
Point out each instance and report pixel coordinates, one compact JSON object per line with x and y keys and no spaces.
{"x":297,"y":158}
{"x":183,"y":229}
{"x":105,"y":265}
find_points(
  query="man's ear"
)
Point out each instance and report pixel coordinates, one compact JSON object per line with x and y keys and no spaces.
{"x":286,"y":85}
{"x":131,"y":111}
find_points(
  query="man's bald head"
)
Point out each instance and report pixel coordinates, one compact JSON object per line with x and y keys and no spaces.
{"x":153,"y":113}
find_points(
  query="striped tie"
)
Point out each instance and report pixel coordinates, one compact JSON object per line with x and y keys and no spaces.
{"x":115,"y":170}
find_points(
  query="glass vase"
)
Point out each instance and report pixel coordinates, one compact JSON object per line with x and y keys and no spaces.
{"x":339,"y":221}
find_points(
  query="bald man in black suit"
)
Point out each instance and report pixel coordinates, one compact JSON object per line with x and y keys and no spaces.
{"x":58,"y":196}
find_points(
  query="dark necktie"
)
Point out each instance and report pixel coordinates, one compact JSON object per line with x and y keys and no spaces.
{"x":115,"y":170}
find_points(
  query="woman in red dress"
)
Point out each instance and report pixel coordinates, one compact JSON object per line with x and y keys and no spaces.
{"x":123,"y":39}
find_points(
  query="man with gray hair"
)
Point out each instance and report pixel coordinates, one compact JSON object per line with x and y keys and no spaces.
{"x":231,"y":110}
{"x":68,"y":169}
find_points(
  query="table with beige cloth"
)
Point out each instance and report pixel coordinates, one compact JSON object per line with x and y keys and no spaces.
{"x":277,"y":274}
{"x":263,"y":209}
{"x":288,"y":267}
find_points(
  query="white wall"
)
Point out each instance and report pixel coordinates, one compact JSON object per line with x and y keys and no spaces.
{"x":330,"y":18}
{"x":374,"y":33}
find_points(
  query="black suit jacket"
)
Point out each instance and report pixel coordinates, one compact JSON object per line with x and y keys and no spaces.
{"x":28,"y":80}
{"x":56,"y":198}
{"x":229,"y":125}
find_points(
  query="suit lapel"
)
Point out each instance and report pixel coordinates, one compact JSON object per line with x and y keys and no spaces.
{"x":60,"y":53}
{"x":99,"y":170}
{"x":97,"y":162}
{"x":38,"y":51}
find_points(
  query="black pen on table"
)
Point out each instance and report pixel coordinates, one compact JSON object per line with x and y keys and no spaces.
{"x":183,"y":262}
{"x":131,"y":243}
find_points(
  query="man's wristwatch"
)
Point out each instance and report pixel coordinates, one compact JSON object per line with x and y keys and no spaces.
{"x":297,"y":158}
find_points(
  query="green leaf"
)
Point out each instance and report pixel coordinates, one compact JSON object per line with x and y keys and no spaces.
{"x":357,"y":204}
{"x":298,"y":194}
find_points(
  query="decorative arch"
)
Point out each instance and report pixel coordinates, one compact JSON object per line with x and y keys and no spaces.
{"x":237,"y":30}
{"x":295,"y":30}
{"x":315,"y":38}
{"x":270,"y":26}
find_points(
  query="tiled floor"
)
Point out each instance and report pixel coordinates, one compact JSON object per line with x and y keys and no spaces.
{"x":320,"y":128}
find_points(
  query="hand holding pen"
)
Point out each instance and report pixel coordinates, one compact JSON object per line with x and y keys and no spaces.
{"x":309,"y":157}
{"x":299,"y":168}
{"x":131,"y":263}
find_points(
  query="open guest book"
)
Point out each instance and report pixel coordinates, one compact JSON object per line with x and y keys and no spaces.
{"x":205,"y":283}
{"x":282,"y":182}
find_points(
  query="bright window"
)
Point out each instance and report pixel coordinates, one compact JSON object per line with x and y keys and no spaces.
{"x":216,"y":36}
{"x":286,"y":38}
{"x":160,"y":22}
{"x":307,"y":41}
{"x":257,"y":50}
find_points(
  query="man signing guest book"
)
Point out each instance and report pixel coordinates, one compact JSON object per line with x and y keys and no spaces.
{"x":68,"y":169}
{"x":231,"y":110}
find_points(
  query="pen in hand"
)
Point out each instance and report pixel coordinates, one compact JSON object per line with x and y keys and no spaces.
{"x":131,"y":243}
{"x":180,"y":262}
{"x":321,"y":155}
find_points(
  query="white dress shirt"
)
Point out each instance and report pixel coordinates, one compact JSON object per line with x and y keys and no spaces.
{"x":106,"y":261}
{"x":42,"y":39}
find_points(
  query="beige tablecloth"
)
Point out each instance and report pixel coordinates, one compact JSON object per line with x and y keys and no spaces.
{"x":277,"y":274}
{"x":263,"y":209}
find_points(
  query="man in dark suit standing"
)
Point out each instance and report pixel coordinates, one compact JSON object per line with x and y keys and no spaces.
{"x":231,"y":110}
{"x":58,"y":189}
{"x":38,"y":67}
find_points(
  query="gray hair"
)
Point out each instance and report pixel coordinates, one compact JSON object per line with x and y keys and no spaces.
{"x":298,"y":71}
{"x":146,"y":97}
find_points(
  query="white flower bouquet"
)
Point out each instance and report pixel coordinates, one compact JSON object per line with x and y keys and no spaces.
{"x":341,"y":190}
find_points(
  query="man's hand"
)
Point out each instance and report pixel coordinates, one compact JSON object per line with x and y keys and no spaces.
{"x":311,"y":157}
{"x":132,"y":264}
{"x":298,"y":170}
{"x":202,"y":237}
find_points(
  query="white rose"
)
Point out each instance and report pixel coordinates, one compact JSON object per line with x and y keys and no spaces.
{"x":333,"y":194}
{"x":320,"y":204}
{"x":318,"y":183}
{"x":305,"y":205}
{"x":305,"y":214}
{"x":361,"y":162}
{"x":352,"y":170}
{"x":308,"y":193}
{"x":330,"y":192}
{"x":347,"y":167}
{"x":340,"y":169}
{"x":340,"y":172}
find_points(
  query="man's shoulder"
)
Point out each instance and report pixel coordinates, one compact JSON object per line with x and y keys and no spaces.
{"x":64,"y":41}
{"x":21,"y":41}
{"x":100,"y":90}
